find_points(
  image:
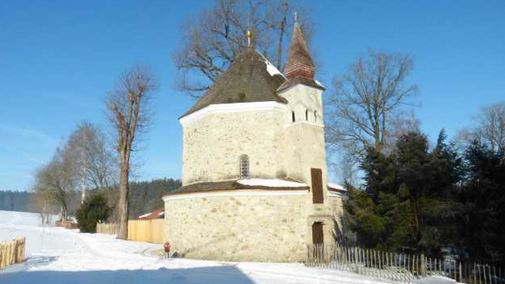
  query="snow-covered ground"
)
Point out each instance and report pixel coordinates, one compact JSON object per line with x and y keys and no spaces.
{"x":56,"y":255}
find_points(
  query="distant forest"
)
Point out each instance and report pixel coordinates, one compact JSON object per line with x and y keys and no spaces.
{"x":145,"y":196}
{"x":16,"y":201}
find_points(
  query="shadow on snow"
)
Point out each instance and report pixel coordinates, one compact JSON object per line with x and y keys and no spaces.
{"x":217,"y":274}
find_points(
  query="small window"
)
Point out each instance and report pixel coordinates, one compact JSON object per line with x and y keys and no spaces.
{"x":293,"y":118}
{"x":307,"y":115}
{"x":244,"y":166}
{"x":315,"y":116}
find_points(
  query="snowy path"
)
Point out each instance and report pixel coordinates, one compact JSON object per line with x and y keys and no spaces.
{"x":57,"y":256}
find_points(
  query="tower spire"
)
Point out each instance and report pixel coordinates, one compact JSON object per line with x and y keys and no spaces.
{"x":300,"y":63}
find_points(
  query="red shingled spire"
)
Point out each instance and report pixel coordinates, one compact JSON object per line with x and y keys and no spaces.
{"x":300,"y":62}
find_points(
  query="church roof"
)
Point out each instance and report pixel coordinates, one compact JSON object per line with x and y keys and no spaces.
{"x":300,"y":68}
{"x":250,"y":78}
{"x":300,"y":63}
{"x":272,"y":185}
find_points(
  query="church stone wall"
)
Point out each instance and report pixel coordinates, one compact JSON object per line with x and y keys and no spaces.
{"x":271,"y":228}
{"x":304,"y":137}
{"x":213,"y":145}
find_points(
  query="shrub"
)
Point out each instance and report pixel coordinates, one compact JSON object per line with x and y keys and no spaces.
{"x":94,"y":209}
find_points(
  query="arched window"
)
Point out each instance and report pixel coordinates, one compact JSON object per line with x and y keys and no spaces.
{"x":293,"y":116}
{"x":307,"y":115}
{"x":244,"y":166}
{"x":315,"y":116}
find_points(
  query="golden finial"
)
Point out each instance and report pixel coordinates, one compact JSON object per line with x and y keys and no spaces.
{"x":249,"y":36}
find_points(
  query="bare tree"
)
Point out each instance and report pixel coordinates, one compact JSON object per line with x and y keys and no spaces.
{"x":95,"y":161}
{"x":128,"y":110}
{"x":490,"y":128}
{"x":211,"y":42}
{"x":55,"y":182}
{"x":42,"y":201}
{"x":365,"y":108}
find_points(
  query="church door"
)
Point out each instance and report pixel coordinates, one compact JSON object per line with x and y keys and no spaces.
{"x":317,"y":185}
{"x":317,"y":233}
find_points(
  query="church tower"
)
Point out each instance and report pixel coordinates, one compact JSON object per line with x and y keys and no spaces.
{"x":305,"y":153}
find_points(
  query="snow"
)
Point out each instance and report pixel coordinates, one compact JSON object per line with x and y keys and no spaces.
{"x":270,"y":182}
{"x":56,"y":255}
{"x":159,"y":214}
{"x":25,"y":218}
{"x":435,"y":280}
{"x":319,"y":84}
{"x":336,"y":186}
{"x":272,"y":70}
{"x":145,"y":215}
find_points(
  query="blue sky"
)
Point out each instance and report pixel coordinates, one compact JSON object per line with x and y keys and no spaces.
{"x":58,"y":59}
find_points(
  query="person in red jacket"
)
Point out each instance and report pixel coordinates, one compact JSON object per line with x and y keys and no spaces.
{"x":166,"y":247}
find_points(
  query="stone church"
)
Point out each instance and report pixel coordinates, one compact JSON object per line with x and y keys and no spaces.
{"x":254,"y":176}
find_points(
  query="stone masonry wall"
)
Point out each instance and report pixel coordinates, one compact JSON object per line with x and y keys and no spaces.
{"x":213,"y":145}
{"x":239,"y":228}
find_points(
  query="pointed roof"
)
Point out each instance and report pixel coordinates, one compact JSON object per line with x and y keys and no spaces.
{"x":250,"y":78}
{"x":300,"y":68}
{"x":300,"y":63}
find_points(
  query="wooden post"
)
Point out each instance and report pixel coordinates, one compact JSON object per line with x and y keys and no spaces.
{"x":478,"y":273}
{"x":423,"y":266}
{"x":473,"y":273}
{"x":368,"y":260}
{"x":365,"y":259}
{"x":489,"y":273}
{"x":494,"y":272}
{"x":381,"y":259}
{"x":484,"y":273}
{"x":372,"y":259}
{"x":359,"y":260}
{"x":407,"y":261}
{"x":437,"y":266}
{"x":354,"y":258}
{"x":10,"y":253}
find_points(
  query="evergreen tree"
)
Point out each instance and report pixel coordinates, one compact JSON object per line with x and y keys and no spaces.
{"x":145,"y":196}
{"x":483,"y":196}
{"x":94,"y":209}
{"x":407,"y":205}
{"x":360,"y":217}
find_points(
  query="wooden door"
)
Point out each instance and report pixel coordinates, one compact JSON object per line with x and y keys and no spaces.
{"x":317,"y":233}
{"x":316,"y":176}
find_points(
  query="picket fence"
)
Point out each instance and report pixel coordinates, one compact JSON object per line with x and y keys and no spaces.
{"x":399,"y":267}
{"x":12,"y":252}
{"x":138,"y":230}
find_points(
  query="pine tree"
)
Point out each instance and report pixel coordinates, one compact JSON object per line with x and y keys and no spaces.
{"x":94,"y":209}
{"x":483,"y":196}
{"x":407,"y":203}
